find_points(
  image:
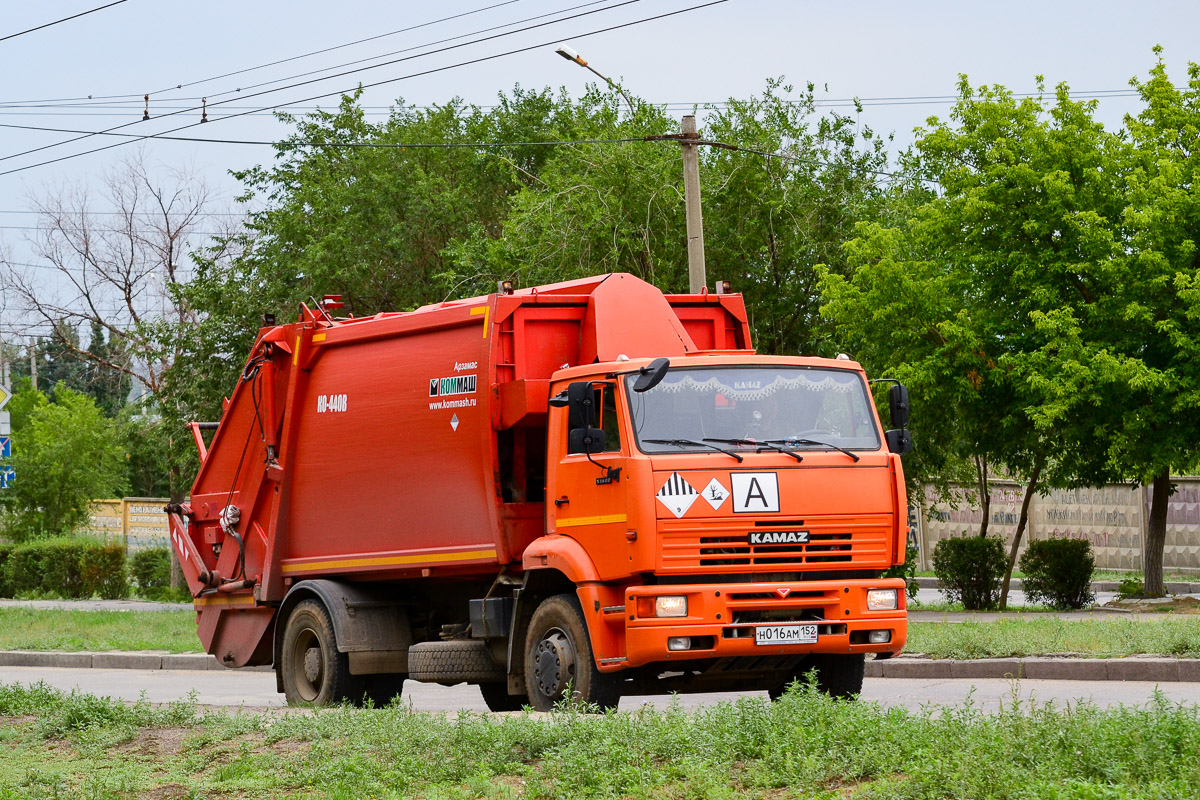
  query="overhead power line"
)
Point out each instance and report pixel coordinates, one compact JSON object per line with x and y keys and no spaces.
{"x":376,"y":83}
{"x":274,"y":63}
{"x":58,"y":21}
{"x":351,"y":72}
{"x":476,"y":146}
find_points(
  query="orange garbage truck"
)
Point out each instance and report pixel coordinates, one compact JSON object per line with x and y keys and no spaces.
{"x":584,"y":490}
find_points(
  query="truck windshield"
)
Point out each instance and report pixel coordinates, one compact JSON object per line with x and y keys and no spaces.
{"x":796,"y":407}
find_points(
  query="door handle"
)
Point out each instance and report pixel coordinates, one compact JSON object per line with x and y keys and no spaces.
{"x":562,"y":501}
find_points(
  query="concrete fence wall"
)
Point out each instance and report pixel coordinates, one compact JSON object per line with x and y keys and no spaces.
{"x":1113,"y":518}
{"x":136,"y":522}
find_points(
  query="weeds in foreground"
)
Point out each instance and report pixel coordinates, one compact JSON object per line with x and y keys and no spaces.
{"x":806,"y":745}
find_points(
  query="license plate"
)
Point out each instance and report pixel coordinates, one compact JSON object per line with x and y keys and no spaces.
{"x":785,"y":634}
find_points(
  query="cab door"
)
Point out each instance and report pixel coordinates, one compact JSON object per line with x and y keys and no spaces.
{"x":586,"y":492}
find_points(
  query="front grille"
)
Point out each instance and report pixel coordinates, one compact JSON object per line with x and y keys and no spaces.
{"x":726,"y":544}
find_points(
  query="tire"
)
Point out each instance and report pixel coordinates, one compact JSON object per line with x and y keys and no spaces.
{"x":457,"y":661}
{"x":498,"y":699}
{"x":314,"y":672}
{"x":837,"y":675}
{"x":558,"y":654}
{"x":379,"y":689}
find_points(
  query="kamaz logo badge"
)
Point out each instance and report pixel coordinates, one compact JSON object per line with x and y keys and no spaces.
{"x":779,"y":537}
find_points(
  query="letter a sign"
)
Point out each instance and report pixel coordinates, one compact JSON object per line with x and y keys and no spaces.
{"x":755,"y":492}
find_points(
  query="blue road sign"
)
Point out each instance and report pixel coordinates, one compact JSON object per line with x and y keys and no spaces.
{"x":5,"y":447}
{"x":7,"y":475}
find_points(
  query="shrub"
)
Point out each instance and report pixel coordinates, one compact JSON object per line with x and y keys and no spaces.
{"x":150,"y":569}
{"x":68,"y":567}
{"x":102,"y":567}
{"x":970,"y":570}
{"x":6,"y":589}
{"x":908,"y":571}
{"x":1058,"y":572}
{"x":1133,"y":586}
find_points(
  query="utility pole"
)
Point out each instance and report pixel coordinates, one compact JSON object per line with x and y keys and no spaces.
{"x":691,"y":195}
{"x":33,"y":362}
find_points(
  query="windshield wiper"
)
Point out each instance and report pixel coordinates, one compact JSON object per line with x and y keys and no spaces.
{"x":692,"y":443}
{"x":760,"y":444}
{"x":823,"y":444}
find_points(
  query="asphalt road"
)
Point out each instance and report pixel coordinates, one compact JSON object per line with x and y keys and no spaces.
{"x":257,"y":689}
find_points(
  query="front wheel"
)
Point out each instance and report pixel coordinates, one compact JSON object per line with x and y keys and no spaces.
{"x":314,"y":672}
{"x":559,"y":661}
{"x":837,"y":675}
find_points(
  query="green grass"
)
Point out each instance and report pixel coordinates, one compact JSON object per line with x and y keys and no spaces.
{"x":1017,"y":634}
{"x":68,"y":630}
{"x":1042,"y":635}
{"x":59,"y":745}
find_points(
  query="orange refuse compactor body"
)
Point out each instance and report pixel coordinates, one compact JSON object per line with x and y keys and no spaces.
{"x":588,"y":487}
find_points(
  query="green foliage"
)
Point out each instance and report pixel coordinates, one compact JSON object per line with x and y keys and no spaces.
{"x":5,"y":585}
{"x":395,"y":228}
{"x":102,"y":569}
{"x":94,"y":370}
{"x":1058,"y":572}
{"x":1132,"y":586}
{"x":908,"y":571}
{"x":950,"y":299}
{"x":804,"y":745}
{"x":150,"y":569}
{"x":969,"y":569}
{"x":67,"y":454}
{"x":148,"y":450}
{"x":69,"y":567}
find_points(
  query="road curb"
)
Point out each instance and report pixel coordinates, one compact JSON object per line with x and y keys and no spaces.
{"x":1138,"y":668}
{"x":1043,"y":668}
{"x":118,"y":660}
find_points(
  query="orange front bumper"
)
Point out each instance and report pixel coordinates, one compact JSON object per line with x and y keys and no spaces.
{"x":722,"y":618}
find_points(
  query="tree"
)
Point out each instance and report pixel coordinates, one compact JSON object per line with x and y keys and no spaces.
{"x":1140,"y":368}
{"x":68,"y":454}
{"x":116,"y":261}
{"x":1027,"y":230}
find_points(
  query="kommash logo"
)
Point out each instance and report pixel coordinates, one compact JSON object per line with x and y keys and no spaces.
{"x":458,"y":384}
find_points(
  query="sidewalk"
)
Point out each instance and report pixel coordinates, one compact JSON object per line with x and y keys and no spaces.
{"x":97,"y":605}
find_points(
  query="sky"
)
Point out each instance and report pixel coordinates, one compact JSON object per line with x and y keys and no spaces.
{"x":909,"y":54}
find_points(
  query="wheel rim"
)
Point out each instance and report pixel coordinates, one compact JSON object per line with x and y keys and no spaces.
{"x":554,"y":664}
{"x":308,"y":665}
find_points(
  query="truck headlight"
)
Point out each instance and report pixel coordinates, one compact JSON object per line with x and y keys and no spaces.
{"x":881,"y":599}
{"x":670,"y":605}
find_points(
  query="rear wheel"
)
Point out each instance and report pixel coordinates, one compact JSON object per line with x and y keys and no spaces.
{"x":837,"y":675}
{"x":559,"y":661}
{"x":496,"y":695}
{"x":313,"y":671}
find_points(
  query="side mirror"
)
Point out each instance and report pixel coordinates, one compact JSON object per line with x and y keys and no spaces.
{"x":899,"y":441}
{"x":581,"y":402}
{"x":898,"y":405}
{"x":651,"y":375}
{"x":587,"y":440}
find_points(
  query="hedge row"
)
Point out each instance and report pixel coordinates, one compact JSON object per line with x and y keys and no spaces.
{"x":67,"y":567}
{"x":78,"y":568}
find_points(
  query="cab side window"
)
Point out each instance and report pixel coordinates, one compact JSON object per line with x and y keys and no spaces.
{"x":604,"y":398}
{"x":608,"y":418}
